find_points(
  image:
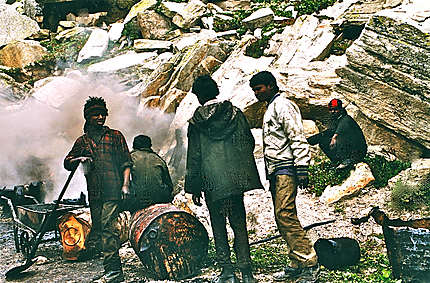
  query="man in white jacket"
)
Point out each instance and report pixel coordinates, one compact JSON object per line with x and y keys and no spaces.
{"x":286,"y":155}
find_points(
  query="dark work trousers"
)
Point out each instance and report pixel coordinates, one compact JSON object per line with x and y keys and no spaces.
{"x":95,"y":237}
{"x":233,"y":209}
{"x":111,"y":236}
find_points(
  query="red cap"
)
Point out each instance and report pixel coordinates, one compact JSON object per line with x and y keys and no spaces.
{"x":335,"y":103}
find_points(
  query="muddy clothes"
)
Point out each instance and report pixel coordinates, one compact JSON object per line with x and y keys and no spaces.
{"x":233,"y":209}
{"x":111,"y":236}
{"x":110,"y":157}
{"x":151,"y":182}
{"x":350,"y":141}
{"x":220,"y":160}
{"x":284,"y":191}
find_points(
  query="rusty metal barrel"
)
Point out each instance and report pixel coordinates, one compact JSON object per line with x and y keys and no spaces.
{"x":170,"y":242}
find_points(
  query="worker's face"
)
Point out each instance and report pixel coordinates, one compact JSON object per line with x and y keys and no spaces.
{"x":97,"y":119}
{"x":335,"y":112}
{"x":263,"y":92}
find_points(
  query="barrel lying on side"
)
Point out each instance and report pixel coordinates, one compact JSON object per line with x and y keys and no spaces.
{"x":171,"y":243}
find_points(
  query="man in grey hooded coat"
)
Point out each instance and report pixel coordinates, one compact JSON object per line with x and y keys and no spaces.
{"x":220,"y":163}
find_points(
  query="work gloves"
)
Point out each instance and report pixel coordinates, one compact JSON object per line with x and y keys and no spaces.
{"x":302,"y":176}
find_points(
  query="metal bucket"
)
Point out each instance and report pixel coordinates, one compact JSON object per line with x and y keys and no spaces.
{"x":408,"y":250}
{"x":171,"y":243}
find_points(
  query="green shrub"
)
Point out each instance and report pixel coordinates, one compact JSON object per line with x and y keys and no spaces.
{"x":131,"y":30}
{"x":383,"y":170}
{"x":256,"y":49}
{"x":322,"y":174}
{"x":407,"y":197}
{"x":307,"y":7}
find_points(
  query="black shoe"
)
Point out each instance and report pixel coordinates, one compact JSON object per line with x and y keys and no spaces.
{"x":247,"y":277}
{"x":227,"y":276}
{"x":309,"y":274}
{"x":346,"y":164}
{"x":287,"y":273}
{"x":111,"y":277}
{"x":302,"y":273}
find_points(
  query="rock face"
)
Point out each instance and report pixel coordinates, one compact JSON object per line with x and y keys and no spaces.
{"x":153,"y":25}
{"x":19,"y":54}
{"x":14,"y":26}
{"x":387,"y":75}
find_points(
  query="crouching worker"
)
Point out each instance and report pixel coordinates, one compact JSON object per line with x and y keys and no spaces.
{"x":150,"y":178}
{"x":220,"y":163}
{"x":343,"y":142}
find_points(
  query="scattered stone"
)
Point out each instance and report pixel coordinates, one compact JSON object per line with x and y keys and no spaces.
{"x":360,"y":176}
{"x":139,"y":7}
{"x":153,"y":25}
{"x":14,"y":26}
{"x":170,"y":9}
{"x":95,"y":46}
{"x":120,"y":62}
{"x":192,"y":12}
{"x":259,"y":18}
{"x":115,"y":31}
{"x":151,"y":45}
{"x":21,"y":53}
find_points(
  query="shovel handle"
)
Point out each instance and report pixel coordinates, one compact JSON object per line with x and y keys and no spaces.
{"x":310,"y":226}
{"x":42,"y":229}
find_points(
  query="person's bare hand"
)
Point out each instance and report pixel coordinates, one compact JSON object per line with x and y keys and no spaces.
{"x":82,"y":159}
{"x":125,"y":192}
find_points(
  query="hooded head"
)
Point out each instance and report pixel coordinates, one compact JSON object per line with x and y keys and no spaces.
{"x":142,"y":141}
{"x":205,"y":88}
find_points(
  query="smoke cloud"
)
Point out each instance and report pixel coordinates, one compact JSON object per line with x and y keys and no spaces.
{"x":39,"y":134}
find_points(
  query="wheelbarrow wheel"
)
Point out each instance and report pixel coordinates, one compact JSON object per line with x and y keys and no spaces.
{"x":16,"y":238}
{"x":25,"y":244}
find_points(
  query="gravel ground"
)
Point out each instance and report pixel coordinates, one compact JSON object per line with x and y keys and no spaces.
{"x":261,"y":224}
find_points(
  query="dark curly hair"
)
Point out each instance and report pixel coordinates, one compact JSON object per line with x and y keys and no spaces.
{"x":95,"y":104}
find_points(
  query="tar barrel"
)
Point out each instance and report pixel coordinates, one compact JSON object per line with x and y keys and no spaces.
{"x":75,"y":227}
{"x":170,"y":242}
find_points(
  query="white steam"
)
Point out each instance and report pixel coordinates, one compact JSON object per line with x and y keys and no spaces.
{"x":37,"y":136}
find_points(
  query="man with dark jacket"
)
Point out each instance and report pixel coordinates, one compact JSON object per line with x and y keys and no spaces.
{"x":150,"y":178}
{"x":220,"y":163}
{"x":286,"y":156}
{"x":104,"y":153}
{"x":343,"y":142}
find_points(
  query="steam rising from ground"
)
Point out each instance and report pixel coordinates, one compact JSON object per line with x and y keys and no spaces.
{"x":38,"y":135}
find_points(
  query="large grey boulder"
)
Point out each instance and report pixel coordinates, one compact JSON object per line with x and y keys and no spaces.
{"x":14,"y":26}
{"x":387,"y":75}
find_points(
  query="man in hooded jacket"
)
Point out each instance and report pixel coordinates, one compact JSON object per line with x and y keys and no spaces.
{"x":220,"y":163}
